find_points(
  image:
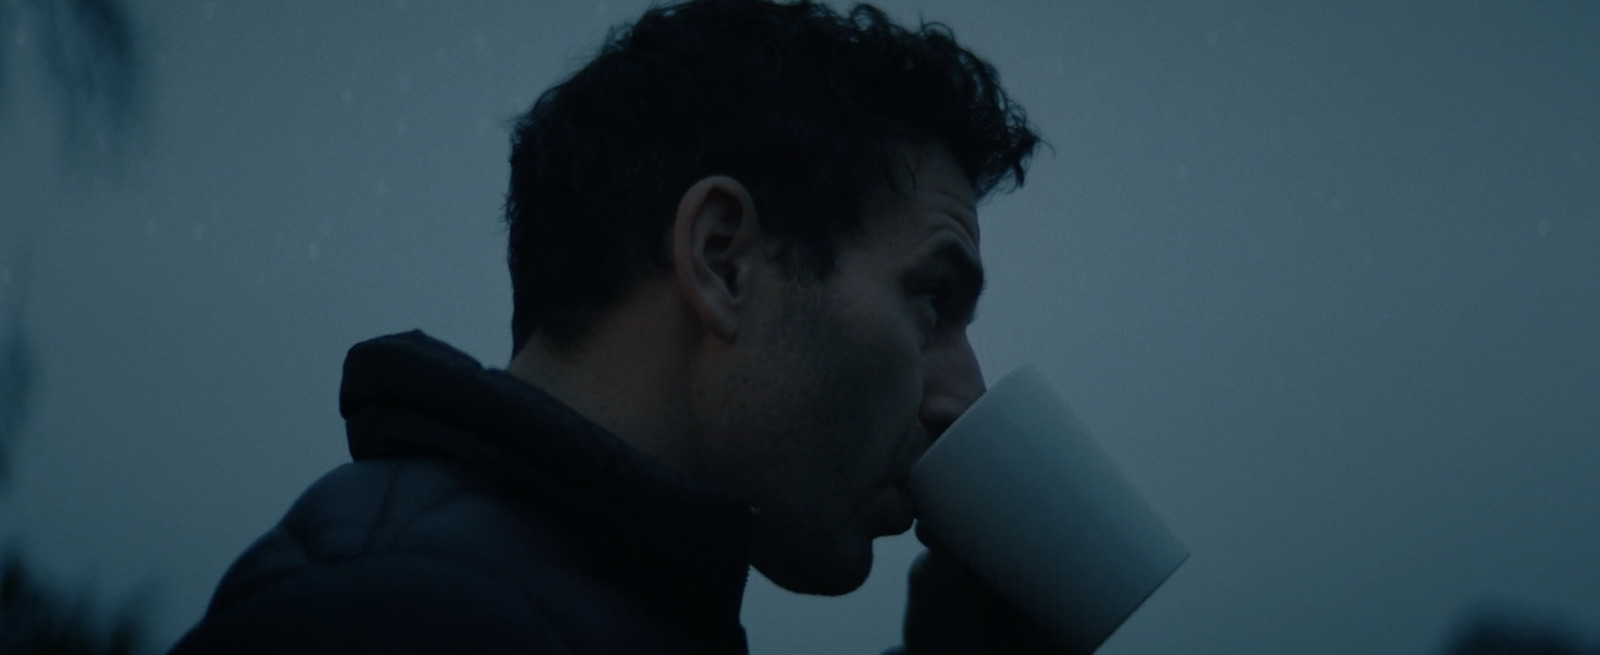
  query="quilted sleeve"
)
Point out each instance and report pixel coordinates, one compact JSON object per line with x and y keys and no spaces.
{"x":380,"y":603}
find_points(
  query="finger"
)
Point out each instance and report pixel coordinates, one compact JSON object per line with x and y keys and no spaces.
{"x":970,"y":609}
{"x":941,"y":570}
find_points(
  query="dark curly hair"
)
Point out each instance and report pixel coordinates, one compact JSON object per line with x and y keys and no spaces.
{"x":802,"y":105}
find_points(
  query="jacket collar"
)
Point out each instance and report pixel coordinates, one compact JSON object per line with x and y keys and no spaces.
{"x":409,"y":395}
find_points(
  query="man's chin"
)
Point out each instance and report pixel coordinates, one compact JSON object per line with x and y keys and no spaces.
{"x":819,"y":571}
{"x":818,"y":583}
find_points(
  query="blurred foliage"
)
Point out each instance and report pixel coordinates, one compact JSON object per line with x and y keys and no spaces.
{"x":1500,"y":630}
{"x":36,"y":618}
{"x":87,"y":52}
{"x":17,"y":371}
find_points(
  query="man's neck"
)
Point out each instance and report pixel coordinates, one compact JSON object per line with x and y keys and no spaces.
{"x":626,"y":377}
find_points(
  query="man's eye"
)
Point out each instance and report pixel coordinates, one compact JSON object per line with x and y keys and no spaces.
{"x":938,"y":298}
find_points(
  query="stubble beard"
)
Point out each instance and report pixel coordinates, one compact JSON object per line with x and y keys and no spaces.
{"x":807,"y":538}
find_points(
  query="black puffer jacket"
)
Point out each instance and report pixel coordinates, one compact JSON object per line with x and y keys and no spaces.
{"x":482,"y":516}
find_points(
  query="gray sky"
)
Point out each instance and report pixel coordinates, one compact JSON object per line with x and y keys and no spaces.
{"x":1324,"y":280}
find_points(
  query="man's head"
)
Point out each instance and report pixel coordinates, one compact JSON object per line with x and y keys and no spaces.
{"x":781,"y":201}
{"x":801,"y":105}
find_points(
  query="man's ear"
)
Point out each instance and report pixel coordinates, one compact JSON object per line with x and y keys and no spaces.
{"x":716,"y":243}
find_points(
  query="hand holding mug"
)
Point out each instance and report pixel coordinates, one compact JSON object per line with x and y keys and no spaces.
{"x":951,"y":611}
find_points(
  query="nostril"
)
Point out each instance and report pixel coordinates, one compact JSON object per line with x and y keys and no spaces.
{"x":938,"y":415}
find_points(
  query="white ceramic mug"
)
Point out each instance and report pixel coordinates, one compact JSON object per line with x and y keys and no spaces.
{"x":1020,"y":491}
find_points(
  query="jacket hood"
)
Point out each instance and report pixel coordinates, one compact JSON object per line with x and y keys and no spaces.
{"x":410,"y":395}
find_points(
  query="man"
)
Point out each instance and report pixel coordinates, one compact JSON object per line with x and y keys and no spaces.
{"x":744,"y":253}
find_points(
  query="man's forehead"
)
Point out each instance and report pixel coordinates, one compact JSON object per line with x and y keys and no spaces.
{"x":950,"y":199}
{"x":930,"y":184}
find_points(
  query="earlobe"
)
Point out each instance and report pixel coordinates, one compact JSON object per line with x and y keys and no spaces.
{"x":715,"y":238}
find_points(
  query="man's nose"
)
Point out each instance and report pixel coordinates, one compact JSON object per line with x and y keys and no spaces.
{"x":955,"y":381}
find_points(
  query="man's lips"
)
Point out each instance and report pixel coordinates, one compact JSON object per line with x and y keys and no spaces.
{"x":899,"y":510}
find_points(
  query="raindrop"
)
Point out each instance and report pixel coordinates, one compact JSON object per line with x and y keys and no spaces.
{"x":199,"y":231}
{"x":1544,"y":227}
{"x":314,"y":252}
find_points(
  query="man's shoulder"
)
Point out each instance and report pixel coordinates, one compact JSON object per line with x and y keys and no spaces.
{"x":397,"y":547}
{"x":395,"y":510}
{"x":382,"y":603}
